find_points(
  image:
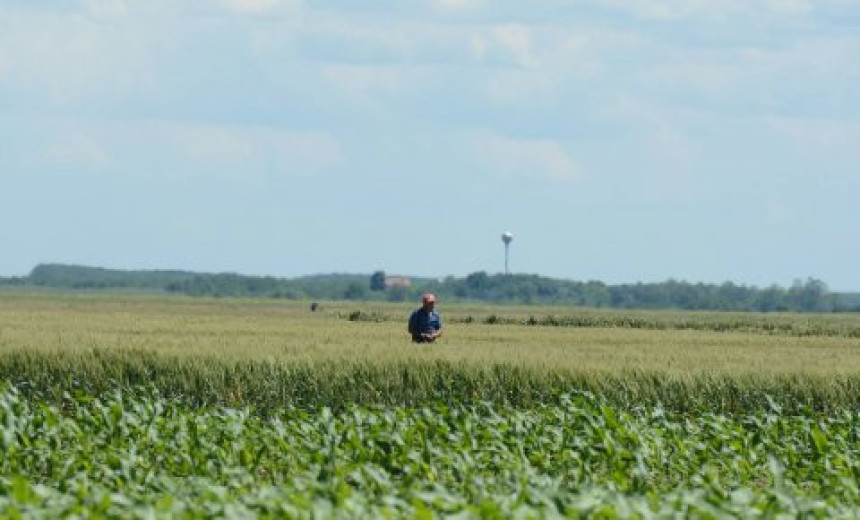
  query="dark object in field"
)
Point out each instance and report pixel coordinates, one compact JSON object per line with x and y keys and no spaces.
{"x":314,"y":306}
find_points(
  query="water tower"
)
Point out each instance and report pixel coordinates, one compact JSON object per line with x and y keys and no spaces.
{"x":507,"y":236}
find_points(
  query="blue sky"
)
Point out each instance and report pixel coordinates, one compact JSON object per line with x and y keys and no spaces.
{"x":619,"y":140}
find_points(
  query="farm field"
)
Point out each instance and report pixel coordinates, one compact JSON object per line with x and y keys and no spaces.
{"x":122,"y":405}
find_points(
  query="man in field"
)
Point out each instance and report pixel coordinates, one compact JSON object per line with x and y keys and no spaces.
{"x":425,"y":324}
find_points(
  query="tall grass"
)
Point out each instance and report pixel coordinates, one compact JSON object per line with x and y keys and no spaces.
{"x":783,"y":324}
{"x":267,"y":385}
{"x":269,"y":354}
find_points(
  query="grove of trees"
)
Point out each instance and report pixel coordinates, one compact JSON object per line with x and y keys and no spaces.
{"x":810,"y":295}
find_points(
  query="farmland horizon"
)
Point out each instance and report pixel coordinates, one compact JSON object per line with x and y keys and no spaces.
{"x":424,"y":277}
{"x":616,"y":141}
{"x":637,"y":217}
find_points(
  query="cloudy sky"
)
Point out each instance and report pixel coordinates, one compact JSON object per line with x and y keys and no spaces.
{"x":619,"y":140}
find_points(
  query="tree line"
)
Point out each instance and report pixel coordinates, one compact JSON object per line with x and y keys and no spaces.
{"x":810,"y":295}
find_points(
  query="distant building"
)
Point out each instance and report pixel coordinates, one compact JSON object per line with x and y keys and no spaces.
{"x":397,"y":281}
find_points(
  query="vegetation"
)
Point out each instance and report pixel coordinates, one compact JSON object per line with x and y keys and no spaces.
{"x":272,"y":353}
{"x":790,"y":324}
{"x":267,"y":386}
{"x":138,"y":454}
{"x":848,"y":301}
{"x":82,"y":277}
{"x":153,"y":406}
{"x":803,"y":296}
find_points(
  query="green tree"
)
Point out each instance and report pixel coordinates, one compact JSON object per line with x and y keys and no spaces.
{"x":377,"y":281}
{"x":355,"y":291}
{"x":398,"y":294}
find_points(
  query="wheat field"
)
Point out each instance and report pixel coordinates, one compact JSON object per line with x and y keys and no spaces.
{"x":275,"y":330}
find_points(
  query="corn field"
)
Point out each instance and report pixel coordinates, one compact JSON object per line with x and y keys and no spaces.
{"x":142,"y":455}
{"x":130,"y":406}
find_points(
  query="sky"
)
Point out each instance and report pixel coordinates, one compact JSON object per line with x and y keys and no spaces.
{"x":618,"y":140}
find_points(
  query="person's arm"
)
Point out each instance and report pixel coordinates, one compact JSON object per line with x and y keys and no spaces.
{"x":438,"y":332}
{"x":413,"y":324}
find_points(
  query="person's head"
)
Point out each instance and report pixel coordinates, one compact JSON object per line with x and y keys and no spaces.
{"x":428,"y":300}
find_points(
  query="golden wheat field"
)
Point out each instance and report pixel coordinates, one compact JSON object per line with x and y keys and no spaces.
{"x":279,"y":330}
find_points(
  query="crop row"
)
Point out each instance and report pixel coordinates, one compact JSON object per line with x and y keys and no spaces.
{"x":716,"y":322}
{"x":309,"y":384}
{"x":136,"y":453}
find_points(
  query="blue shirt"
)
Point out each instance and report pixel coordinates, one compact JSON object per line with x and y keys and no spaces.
{"x":422,"y":322}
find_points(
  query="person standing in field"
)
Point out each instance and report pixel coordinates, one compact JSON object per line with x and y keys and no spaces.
{"x":425,"y":324}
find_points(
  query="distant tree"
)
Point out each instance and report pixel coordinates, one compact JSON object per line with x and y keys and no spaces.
{"x":814,"y":296}
{"x":596,"y":294}
{"x":398,"y":294}
{"x":808,"y":295}
{"x":15,"y":280}
{"x":355,"y":291}
{"x":377,"y":281}
{"x":477,"y":281}
{"x":769,"y":299}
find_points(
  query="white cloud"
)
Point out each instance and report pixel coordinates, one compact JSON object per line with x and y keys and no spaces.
{"x":341,"y":39}
{"x":789,"y":7}
{"x":409,"y":65}
{"x":518,"y":88}
{"x":714,"y":76}
{"x":182,"y":148}
{"x":710,"y":10}
{"x":371,"y":83}
{"x":213,"y":144}
{"x":583,"y":53}
{"x":458,"y":5}
{"x":516,"y":40}
{"x":832,"y":139}
{"x":661,"y":136}
{"x":78,"y":149}
{"x":676,"y":9}
{"x":511,"y":44}
{"x":106,"y":8}
{"x":531,"y":158}
{"x":260,"y":6}
{"x":251,"y":150}
{"x":72,"y":55}
{"x":803,"y":75}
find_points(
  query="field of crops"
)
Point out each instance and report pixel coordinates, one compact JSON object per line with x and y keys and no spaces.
{"x":130,"y":406}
